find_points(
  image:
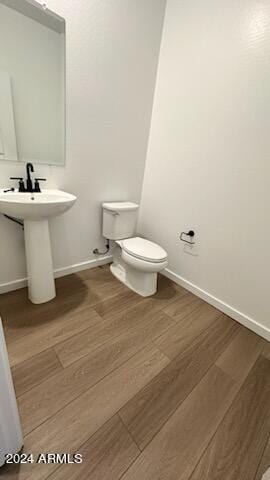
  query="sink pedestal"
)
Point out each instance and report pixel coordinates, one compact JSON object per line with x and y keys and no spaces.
{"x":39,"y":263}
{"x":36,"y":209}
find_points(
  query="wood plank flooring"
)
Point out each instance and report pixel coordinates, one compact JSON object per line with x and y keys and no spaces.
{"x":162,"y":388}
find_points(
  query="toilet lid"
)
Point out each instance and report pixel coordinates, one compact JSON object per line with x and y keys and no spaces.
{"x":144,"y":249}
{"x":120,"y":206}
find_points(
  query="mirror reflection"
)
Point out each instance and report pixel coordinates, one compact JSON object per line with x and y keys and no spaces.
{"x":32,"y":83}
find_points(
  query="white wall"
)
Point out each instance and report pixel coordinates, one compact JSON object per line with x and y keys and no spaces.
{"x":208,"y":164}
{"x":112,"y":54}
{"x":32,"y":54}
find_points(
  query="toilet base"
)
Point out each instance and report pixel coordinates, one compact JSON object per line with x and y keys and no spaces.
{"x":143,"y":283}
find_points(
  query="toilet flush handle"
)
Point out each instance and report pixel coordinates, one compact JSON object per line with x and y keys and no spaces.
{"x":115,"y":213}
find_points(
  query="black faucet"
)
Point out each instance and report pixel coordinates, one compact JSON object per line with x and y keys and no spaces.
{"x":29,"y":183}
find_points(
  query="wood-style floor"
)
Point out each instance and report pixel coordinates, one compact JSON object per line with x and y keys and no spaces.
{"x":164,"y":388}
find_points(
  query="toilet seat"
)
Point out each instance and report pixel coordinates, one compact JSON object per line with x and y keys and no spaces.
{"x":143,"y":249}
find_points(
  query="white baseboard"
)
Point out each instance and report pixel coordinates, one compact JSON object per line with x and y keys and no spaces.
{"x":59,"y":272}
{"x":220,"y":305}
{"x":14,"y":285}
{"x":78,"y":267}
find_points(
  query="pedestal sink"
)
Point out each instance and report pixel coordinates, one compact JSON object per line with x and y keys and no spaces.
{"x":35,"y":209}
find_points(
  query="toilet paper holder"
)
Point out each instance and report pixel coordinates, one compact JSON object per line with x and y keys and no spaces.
{"x":189,"y":234}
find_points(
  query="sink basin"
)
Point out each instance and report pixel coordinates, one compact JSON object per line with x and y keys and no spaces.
{"x":35,"y":209}
{"x":35,"y":206}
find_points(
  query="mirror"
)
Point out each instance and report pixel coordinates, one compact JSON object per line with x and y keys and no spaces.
{"x":32,"y":83}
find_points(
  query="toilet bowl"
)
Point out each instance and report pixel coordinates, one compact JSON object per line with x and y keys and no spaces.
{"x":136,"y":261}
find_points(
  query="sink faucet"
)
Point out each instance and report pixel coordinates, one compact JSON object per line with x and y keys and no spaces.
{"x":29,"y":183}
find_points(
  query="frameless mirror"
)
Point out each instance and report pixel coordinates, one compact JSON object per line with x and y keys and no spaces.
{"x":32,"y":83}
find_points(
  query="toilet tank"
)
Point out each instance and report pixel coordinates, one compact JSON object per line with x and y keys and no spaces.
{"x":119,"y":220}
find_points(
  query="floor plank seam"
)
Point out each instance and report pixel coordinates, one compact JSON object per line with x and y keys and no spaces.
{"x":194,"y":387}
{"x":189,"y":313}
{"x":95,"y":304}
{"x":81,"y":447}
{"x":41,"y":380}
{"x":141,"y":300}
{"x":251,"y":366}
{"x":163,"y":352}
{"x":136,"y":329}
{"x":51,"y":346}
{"x":224,"y":416}
{"x":173,"y":414}
{"x":223,"y":348}
{"x":129,"y":432}
{"x":196,"y":338}
{"x":128,"y":468}
{"x":176,"y":407}
{"x":92,"y":386}
{"x":58,"y":358}
{"x":221,"y":420}
{"x":175,"y":323}
{"x":206,"y":372}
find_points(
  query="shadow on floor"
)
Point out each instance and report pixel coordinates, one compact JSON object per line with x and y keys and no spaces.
{"x":17,"y":312}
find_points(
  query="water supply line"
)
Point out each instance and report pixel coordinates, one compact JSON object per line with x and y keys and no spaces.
{"x":15,"y":220}
{"x":96,"y":251}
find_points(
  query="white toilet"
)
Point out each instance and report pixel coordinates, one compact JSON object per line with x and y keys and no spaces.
{"x":136,"y":261}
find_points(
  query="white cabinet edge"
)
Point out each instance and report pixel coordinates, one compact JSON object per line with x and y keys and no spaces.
{"x":11,"y":440}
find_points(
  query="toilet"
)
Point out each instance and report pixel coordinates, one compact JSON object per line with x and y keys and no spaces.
{"x":136,"y":261}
